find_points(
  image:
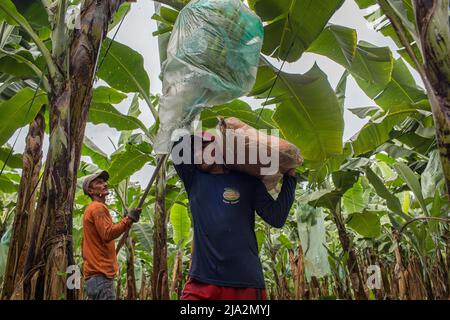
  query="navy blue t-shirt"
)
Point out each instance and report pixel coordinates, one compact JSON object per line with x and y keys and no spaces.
{"x":223,"y":210}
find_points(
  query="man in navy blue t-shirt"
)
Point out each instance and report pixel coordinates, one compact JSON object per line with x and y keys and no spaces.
{"x":225,"y":261}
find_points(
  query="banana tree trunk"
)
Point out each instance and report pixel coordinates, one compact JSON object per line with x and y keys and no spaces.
{"x":447,"y":254}
{"x":131,"y":278}
{"x":284,"y":281}
{"x":160,"y":284}
{"x":298,"y":271}
{"x":442,"y":274}
{"x":177,"y":274}
{"x":25,"y":206}
{"x":399,"y":269}
{"x":434,"y":40}
{"x":159,"y":278}
{"x":51,"y":250}
{"x":119,"y":285}
{"x":273,"y":263}
{"x":143,"y":291}
{"x":352,"y":261}
{"x":301,"y":274}
{"x":129,"y":245}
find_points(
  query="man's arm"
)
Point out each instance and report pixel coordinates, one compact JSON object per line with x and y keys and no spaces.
{"x":184,"y":163}
{"x":275,"y":212}
{"x":105,"y":228}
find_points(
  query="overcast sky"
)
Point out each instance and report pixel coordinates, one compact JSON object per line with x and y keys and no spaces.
{"x":136,"y":32}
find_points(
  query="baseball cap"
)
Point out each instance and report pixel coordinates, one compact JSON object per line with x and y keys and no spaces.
{"x":87,"y":181}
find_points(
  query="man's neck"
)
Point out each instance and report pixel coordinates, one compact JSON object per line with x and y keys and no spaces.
{"x":218,"y":169}
{"x":99,"y":199}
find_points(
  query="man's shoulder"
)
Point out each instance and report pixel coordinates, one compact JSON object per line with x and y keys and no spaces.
{"x":95,"y":206}
{"x":252,"y":180}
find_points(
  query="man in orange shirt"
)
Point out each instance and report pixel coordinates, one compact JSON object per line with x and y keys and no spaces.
{"x":99,"y":232}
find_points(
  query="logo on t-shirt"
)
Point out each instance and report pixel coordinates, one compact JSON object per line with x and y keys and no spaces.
{"x":231,"y":196}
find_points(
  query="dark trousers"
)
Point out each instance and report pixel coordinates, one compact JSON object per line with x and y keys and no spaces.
{"x":100,"y":288}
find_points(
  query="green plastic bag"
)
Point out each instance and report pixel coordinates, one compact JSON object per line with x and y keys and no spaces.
{"x":212,"y":58}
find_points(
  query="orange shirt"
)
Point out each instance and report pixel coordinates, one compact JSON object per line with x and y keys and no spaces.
{"x":98,"y":248}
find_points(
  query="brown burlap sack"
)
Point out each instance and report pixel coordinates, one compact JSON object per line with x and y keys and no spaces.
{"x":251,"y":151}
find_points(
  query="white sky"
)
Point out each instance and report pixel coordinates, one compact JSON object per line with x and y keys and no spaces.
{"x":136,"y":32}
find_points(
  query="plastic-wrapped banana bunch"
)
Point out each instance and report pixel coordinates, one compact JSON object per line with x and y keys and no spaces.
{"x":212,"y":58}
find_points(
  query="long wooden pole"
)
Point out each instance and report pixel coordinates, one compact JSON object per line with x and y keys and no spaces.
{"x":159,"y":165}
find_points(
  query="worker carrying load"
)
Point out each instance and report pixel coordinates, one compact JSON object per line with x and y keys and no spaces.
{"x":213,"y":55}
{"x":212,"y":58}
{"x":225,"y":261}
{"x":264,"y":156}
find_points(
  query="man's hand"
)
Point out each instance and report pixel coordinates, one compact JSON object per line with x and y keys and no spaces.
{"x":134,"y":214}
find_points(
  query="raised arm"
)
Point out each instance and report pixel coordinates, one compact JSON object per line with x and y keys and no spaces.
{"x":275,"y":212}
{"x":105,"y":227}
{"x":183,"y":159}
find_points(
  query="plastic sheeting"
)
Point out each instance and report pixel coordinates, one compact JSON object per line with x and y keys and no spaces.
{"x":311,"y":230}
{"x":212,"y":58}
{"x":4,"y":247}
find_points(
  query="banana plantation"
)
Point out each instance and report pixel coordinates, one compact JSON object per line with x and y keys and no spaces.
{"x":370,"y":219}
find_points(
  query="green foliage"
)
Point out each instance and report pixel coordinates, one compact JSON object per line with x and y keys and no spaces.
{"x":14,"y":161}
{"x":166,"y":16}
{"x":97,"y":156}
{"x":338,"y":43}
{"x":7,"y":185}
{"x":289,"y":27}
{"x":123,"y":10}
{"x":354,"y":199}
{"x":377,"y":131}
{"x":126,"y":163}
{"x":181,"y":223}
{"x":401,"y":89}
{"x":19,"y":111}
{"x":33,"y":12}
{"x":10,"y":14}
{"x":123,"y":68}
{"x":133,"y":111}
{"x":308,"y":112}
{"x":432,"y":177}
{"x":404,"y":10}
{"x":413,"y":183}
{"x":3,"y":258}
{"x":367,"y":224}
{"x":107,"y":95}
{"x":392,"y":202}
{"x":143,"y":232}
{"x":241,"y":110}
{"x":108,"y":114}
{"x":17,"y":65}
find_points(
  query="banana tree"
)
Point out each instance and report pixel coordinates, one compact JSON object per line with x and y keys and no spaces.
{"x":421,"y":29}
{"x":70,"y":66}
